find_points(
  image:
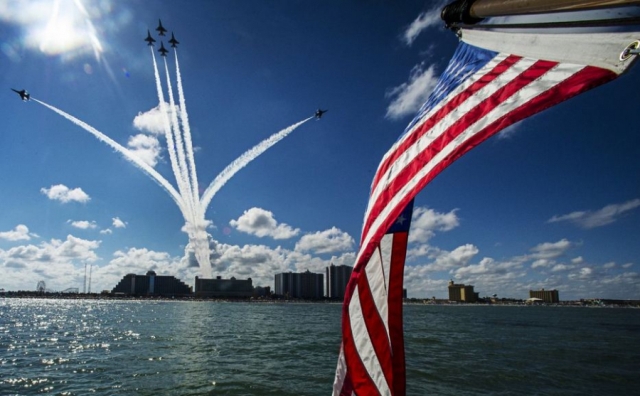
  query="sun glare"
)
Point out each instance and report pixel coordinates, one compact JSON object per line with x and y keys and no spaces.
{"x":61,"y":27}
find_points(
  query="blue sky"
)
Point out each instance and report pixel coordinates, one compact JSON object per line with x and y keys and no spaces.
{"x":553,"y":202}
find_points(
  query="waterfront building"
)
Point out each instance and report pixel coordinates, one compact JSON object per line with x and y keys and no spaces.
{"x":299,"y":285}
{"x":260,"y":291}
{"x":548,"y":296}
{"x":337,"y":279}
{"x":151,"y":285}
{"x":462,"y":293}
{"x":223,"y":288}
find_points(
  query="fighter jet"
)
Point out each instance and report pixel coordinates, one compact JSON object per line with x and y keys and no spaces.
{"x":319,"y":113}
{"x":173,"y":41}
{"x":163,"y":51}
{"x":160,"y":29}
{"x":24,"y":95}
{"x":149,"y":39}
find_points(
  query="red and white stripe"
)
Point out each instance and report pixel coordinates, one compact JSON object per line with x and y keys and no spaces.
{"x":506,"y":90}
{"x":378,"y":298}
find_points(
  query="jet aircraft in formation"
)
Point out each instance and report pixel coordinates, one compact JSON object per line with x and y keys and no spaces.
{"x":163,"y":51}
{"x":24,"y":95}
{"x":319,"y":113}
{"x":174,"y":43}
{"x":160,"y":29}
{"x":150,"y":40}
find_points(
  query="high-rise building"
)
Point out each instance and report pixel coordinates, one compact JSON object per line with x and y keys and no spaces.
{"x":151,"y":285}
{"x":225,"y":288}
{"x":337,"y":279}
{"x":299,"y":285}
{"x":548,"y":296}
{"x":462,"y":293}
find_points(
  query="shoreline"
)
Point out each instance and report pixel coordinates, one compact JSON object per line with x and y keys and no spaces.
{"x":591,"y":303}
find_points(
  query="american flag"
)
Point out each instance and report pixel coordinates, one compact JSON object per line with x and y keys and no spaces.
{"x":377,"y":296}
{"x":480,"y":93}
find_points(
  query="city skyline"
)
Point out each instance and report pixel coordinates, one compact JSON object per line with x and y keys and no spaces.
{"x":303,"y":290}
{"x":552,"y":202}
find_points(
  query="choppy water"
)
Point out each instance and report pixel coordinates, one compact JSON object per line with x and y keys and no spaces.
{"x":66,"y":347}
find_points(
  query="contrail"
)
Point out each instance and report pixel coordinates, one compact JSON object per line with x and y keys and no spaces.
{"x":197,"y":229}
{"x":192,"y":212}
{"x":124,"y":151}
{"x":171,"y":148}
{"x":198,"y":235}
{"x":184,"y":119}
{"x":242,"y":161}
{"x":182,"y":163}
{"x":180,"y":147}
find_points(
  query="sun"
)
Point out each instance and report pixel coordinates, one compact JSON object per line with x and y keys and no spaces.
{"x":60,"y":27}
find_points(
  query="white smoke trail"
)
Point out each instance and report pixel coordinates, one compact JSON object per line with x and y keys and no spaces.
{"x":179,"y":147}
{"x":242,"y":161}
{"x":200,"y":238}
{"x":131,"y":157}
{"x":170,"y":143}
{"x":183,"y":164}
{"x":186,"y":128}
{"x":196,"y":227}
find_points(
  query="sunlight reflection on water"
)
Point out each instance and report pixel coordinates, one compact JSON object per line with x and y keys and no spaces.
{"x":75,"y":347}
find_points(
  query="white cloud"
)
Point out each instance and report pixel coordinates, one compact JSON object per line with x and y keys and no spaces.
{"x":425,"y":20}
{"x":76,"y":248}
{"x":408,"y":97}
{"x":599,"y":218}
{"x":419,"y":251}
{"x":153,"y":121}
{"x":139,"y":261}
{"x":64,"y":194}
{"x":541,"y":263}
{"x":425,"y":221}
{"x":60,"y":264}
{"x":487,"y":276}
{"x":146,"y":147}
{"x":106,"y":231}
{"x":627,"y":265}
{"x":458,"y":257}
{"x":488,"y":267}
{"x":544,"y":254}
{"x":550,"y":250}
{"x":83,"y":224}
{"x":54,"y":261}
{"x":328,"y":241}
{"x":261,"y":263}
{"x":561,"y":267}
{"x":609,"y":265}
{"x":582,"y":274}
{"x":509,"y":132}
{"x":258,"y":262}
{"x":261,"y":223}
{"x":117,"y":223}
{"x":20,"y":233}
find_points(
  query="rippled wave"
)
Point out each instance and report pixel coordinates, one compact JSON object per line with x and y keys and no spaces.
{"x":78,"y":347}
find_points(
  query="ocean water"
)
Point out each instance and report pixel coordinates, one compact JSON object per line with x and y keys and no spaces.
{"x":108,"y":347}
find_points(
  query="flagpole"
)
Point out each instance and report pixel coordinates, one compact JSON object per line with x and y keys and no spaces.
{"x":488,"y":8}
{"x":470,"y":11}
